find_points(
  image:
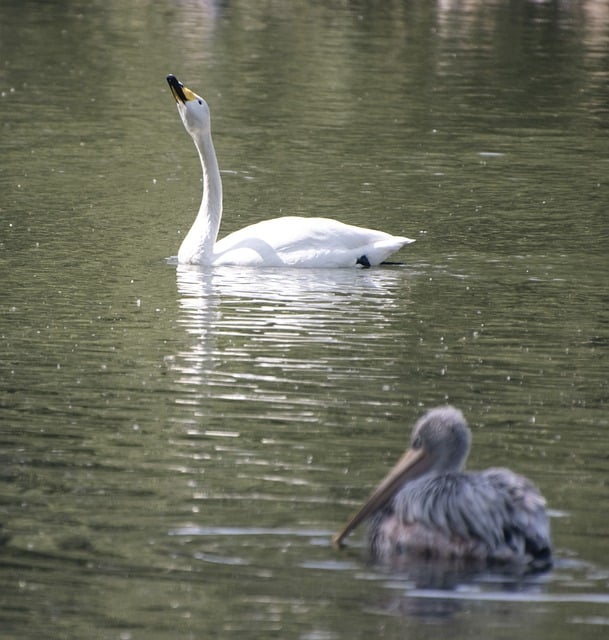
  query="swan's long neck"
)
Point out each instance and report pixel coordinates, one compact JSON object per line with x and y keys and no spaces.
{"x":198,"y":245}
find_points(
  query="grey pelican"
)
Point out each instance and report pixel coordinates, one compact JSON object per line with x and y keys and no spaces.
{"x":428,"y":507}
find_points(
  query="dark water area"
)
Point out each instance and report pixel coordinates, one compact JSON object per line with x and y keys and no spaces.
{"x":178,"y":445}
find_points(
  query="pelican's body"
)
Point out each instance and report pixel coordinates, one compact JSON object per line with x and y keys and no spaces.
{"x":290,"y":241}
{"x":428,"y":507}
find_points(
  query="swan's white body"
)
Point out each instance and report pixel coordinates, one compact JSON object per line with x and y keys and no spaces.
{"x":281,"y":242}
{"x":296,"y":242}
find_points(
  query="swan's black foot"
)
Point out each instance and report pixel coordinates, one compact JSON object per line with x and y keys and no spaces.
{"x":363,"y":260}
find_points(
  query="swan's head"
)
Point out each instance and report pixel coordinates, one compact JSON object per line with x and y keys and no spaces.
{"x":193,"y":110}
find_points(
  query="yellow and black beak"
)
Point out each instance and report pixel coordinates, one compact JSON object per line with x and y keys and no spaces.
{"x":180,"y":92}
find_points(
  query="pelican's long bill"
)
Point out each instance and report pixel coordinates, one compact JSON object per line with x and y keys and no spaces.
{"x":411,"y":465}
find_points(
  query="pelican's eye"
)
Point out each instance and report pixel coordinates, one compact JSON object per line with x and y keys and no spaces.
{"x":417,"y":443}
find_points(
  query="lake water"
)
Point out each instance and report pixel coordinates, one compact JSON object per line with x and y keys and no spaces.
{"x":178,"y":445}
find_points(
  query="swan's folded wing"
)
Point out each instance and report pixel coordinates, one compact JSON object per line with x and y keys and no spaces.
{"x":306,"y":242}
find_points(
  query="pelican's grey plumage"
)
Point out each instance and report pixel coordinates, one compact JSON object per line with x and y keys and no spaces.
{"x":427,"y":506}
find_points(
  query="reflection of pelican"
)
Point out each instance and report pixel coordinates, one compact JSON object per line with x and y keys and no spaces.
{"x":427,"y":507}
{"x":282,"y":242}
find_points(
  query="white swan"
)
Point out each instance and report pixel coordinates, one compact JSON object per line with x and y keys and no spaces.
{"x":282,"y":242}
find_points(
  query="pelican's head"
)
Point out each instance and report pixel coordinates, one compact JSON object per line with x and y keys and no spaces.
{"x":441,"y":439}
{"x":193,"y":110}
{"x":440,"y":443}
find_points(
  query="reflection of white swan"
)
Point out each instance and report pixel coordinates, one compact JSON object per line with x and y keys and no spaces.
{"x":289,"y":241}
{"x":258,"y":329}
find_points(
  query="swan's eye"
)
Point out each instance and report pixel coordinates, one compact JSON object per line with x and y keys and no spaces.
{"x":199,"y":101}
{"x":417,"y":443}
